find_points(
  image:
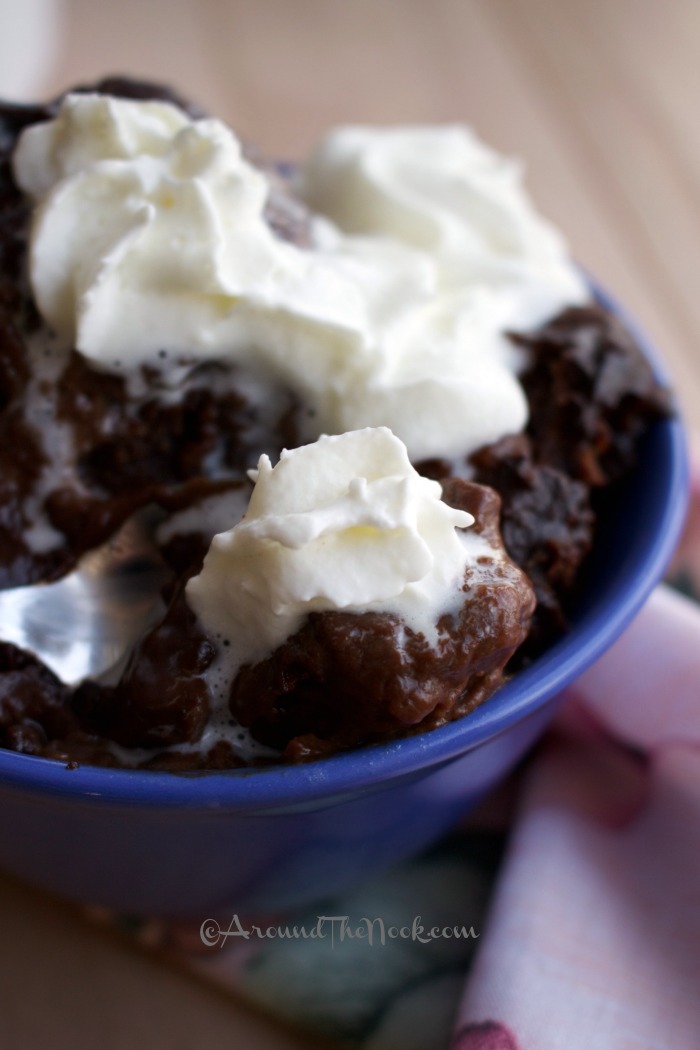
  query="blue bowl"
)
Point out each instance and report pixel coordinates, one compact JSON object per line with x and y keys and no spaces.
{"x":202,"y":845}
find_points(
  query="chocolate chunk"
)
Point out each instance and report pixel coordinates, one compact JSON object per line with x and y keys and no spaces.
{"x":547,"y":524}
{"x":33,"y":702}
{"x":162,"y":698}
{"x":591,"y":394}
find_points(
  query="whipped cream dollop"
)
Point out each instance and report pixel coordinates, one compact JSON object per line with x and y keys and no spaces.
{"x":149,"y":236}
{"x":343,"y":523}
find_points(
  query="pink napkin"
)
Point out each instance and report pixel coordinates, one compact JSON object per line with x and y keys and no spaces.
{"x":593,"y":940}
{"x":593,"y":937}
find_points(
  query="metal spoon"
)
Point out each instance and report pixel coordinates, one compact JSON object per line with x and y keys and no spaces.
{"x":85,"y":624}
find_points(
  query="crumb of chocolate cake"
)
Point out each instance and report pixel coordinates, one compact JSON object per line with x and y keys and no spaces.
{"x":33,"y":701}
{"x":161,"y":698}
{"x":591,"y":392}
{"x":547,"y":524}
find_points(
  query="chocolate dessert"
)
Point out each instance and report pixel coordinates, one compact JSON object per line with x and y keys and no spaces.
{"x":526,"y":437}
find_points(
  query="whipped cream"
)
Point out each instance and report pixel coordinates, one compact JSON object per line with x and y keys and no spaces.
{"x":343,"y":523}
{"x":442,"y":191}
{"x":149,"y":235}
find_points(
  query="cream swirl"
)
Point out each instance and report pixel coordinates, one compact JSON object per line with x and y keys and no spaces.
{"x":343,"y":523}
{"x":445,"y":193}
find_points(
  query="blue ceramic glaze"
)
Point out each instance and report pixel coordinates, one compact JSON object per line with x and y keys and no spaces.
{"x":199,"y":845}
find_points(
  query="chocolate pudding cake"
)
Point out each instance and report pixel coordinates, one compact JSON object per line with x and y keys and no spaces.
{"x":366,"y":402}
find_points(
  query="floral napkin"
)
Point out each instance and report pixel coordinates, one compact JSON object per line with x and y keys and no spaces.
{"x":564,"y":914}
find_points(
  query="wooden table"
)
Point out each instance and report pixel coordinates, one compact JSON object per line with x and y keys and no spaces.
{"x":598,"y":98}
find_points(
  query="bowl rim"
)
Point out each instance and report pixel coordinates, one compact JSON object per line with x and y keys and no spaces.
{"x":369,"y":767}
